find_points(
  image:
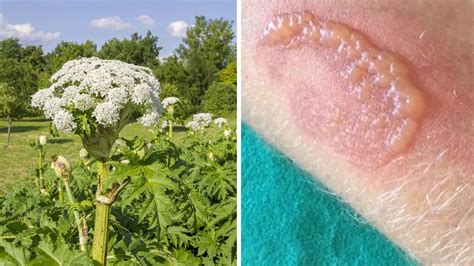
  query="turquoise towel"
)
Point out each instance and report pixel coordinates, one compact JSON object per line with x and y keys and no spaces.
{"x":287,"y":219}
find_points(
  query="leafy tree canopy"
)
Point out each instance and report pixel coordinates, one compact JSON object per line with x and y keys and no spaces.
{"x":207,"y":48}
{"x":138,"y":50}
{"x":66,"y":51}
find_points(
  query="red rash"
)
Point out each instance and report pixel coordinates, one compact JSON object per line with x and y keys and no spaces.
{"x":367,"y":106}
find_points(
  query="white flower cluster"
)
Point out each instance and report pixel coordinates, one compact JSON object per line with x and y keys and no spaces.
{"x":200,"y":121}
{"x":102,"y":88}
{"x":220,"y":121}
{"x":169,"y":101}
{"x":193,"y":125}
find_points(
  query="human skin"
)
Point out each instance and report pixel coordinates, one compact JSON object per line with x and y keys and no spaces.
{"x":421,"y":196}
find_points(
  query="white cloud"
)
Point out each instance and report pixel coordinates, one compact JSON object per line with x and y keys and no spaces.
{"x":147,"y":21}
{"x":25,"y":32}
{"x":111,"y":23}
{"x":178,"y":28}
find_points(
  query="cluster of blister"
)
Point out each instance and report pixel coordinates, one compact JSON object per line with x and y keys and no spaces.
{"x":368,"y":71}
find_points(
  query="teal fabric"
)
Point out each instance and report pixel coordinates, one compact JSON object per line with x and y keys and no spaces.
{"x":289,"y":219}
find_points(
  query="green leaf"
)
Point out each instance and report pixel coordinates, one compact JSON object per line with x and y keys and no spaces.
{"x":178,"y":236}
{"x":59,"y":254}
{"x":182,"y":257}
{"x":12,"y":255}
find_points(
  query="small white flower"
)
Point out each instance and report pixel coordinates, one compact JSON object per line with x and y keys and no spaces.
{"x":193,"y":125}
{"x":125,"y":161}
{"x":40,"y":97}
{"x":119,"y":96}
{"x":142,"y":93}
{"x":164,"y":124}
{"x":227,"y":133}
{"x":204,"y":119}
{"x":83,"y":102}
{"x":83,"y":153}
{"x":43,"y":140}
{"x":149,"y":119}
{"x":53,"y":105}
{"x":220,"y":121}
{"x":64,"y":122}
{"x":169,"y":101}
{"x":106,"y":113}
{"x":70,"y":93}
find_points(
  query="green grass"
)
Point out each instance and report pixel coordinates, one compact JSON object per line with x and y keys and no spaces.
{"x":18,"y":160}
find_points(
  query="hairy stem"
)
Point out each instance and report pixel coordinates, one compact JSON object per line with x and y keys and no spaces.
{"x":77,"y":217}
{"x":101,"y":227}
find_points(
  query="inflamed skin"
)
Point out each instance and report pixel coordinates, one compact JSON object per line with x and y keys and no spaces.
{"x":374,"y":114}
{"x":374,"y":99}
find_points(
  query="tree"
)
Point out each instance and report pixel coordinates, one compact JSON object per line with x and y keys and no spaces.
{"x":138,"y":50}
{"x":220,"y":98}
{"x":66,"y":51}
{"x":206,"y":49}
{"x":8,"y":103}
{"x":21,"y":81}
{"x":10,"y":49}
{"x":34,"y":56}
{"x":229,"y":73}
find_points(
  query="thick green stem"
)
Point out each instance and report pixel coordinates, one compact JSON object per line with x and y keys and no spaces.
{"x":102,"y":212}
{"x":60,"y":192}
{"x":80,"y":228}
{"x":170,"y":128}
{"x":101,"y":229}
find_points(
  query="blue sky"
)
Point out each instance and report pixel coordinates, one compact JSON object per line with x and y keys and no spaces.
{"x":51,"y":21}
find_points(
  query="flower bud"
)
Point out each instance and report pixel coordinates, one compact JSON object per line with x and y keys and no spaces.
{"x":43,"y":140}
{"x":61,"y":166}
{"x":83,"y":153}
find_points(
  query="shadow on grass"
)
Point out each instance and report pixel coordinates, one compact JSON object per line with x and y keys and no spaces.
{"x":18,"y":129}
{"x":60,"y":141}
{"x":180,"y":129}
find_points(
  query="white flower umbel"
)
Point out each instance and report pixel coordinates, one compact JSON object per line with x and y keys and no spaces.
{"x":220,"y":121}
{"x":168,"y":101}
{"x":227,"y":133}
{"x":193,"y":125}
{"x":64,"y":121}
{"x":204,"y":119}
{"x":95,"y":98}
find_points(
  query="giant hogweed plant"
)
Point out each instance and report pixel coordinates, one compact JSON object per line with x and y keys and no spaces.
{"x":95,"y":99}
{"x":179,"y":208}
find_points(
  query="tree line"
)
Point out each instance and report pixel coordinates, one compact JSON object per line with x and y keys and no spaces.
{"x":202,"y":71}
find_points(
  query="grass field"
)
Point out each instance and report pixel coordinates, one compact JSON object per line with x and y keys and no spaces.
{"x":18,"y":160}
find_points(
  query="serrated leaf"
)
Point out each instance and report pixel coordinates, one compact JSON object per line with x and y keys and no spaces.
{"x":14,"y":255}
{"x":182,"y":257}
{"x":60,"y":254}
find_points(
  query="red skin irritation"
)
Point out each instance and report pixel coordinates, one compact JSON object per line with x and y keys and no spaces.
{"x":308,"y":78}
